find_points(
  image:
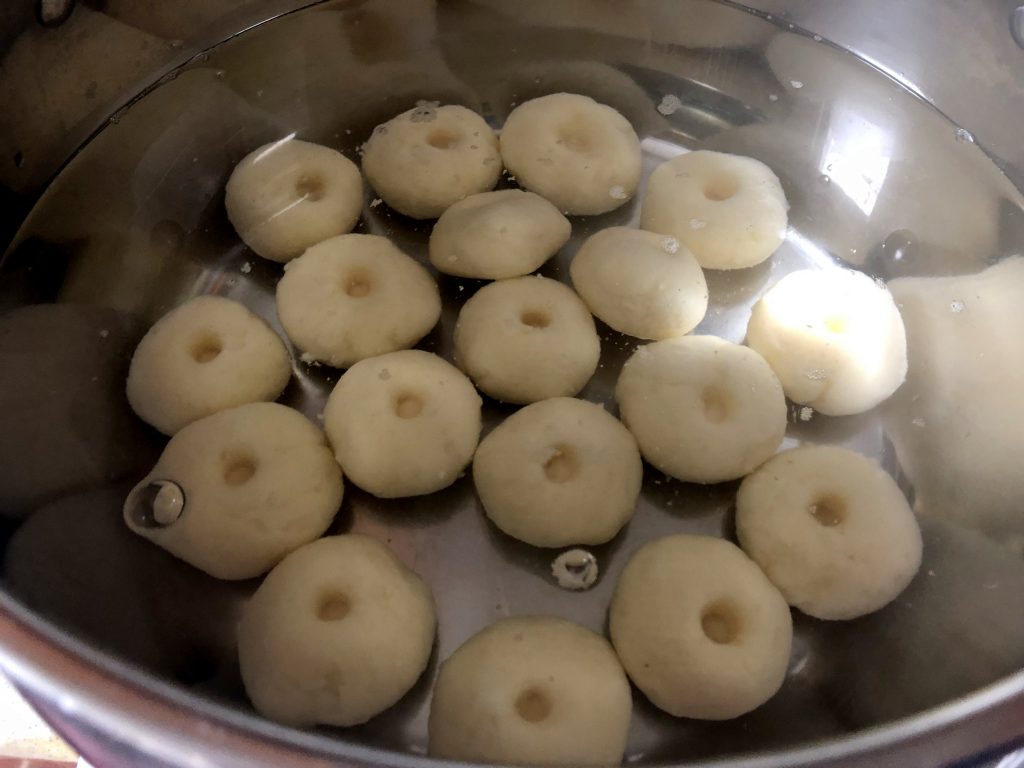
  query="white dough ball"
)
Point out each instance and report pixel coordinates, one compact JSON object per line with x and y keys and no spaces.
{"x":356,"y":296}
{"x":559,"y":472}
{"x":640,"y":283}
{"x":291,"y":194}
{"x":581,"y":155}
{"x":527,"y":339}
{"x":831,"y":529}
{"x":833,"y":337}
{"x":699,"y":628}
{"x":531,"y":690}
{"x":256,"y":482}
{"x":495,"y":235}
{"x":337,"y":633}
{"x":209,"y":354}
{"x":729,"y":210}
{"x":428,"y":158}
{"x":403,"y":424}
{"x":702,"y":409}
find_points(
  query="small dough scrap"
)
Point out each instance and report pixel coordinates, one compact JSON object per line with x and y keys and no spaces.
{"x":699,"y":628}
{"x":403,"y":424}
{"x":833,"y":337}
{"x":581,"y":155}
{"x":209,"y":354}
{"x":428,"y":158}
{"x":258,"y":481}
{"x":531,"y":690}
{"x":729,"y":210}
{"x":640,"y":283}
{"x":527,"y":339}
{"x":559,"y":472}
{"x":702,"y":409}
{"x":831,"y":529}
{"x":496,"y":235}
{"x":337,"y":633}
{"x":291,"y":194}
{"x":356,"y":296}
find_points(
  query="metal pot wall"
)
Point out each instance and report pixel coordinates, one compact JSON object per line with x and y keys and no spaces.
{"x":130,"y":654}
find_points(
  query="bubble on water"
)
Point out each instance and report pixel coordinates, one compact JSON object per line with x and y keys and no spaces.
{"x":963,"y":135}
{"x":670,"y":245}
{"x":617,"y":192}
{"x":697,"y":223}
{"x":669,"y":105}
{"x":816,"y":374}
{"x":806,"y":413}
{"x":773,"y":97}
{"x":308,"y":359}
{"x":817,"y":38}
{"x":575,"y":569}
{"x":956,"y":306}
{"x":796,"y":83}
{"x":917,"y":421}
{"x":825,"y":178}
{"x":246,"y":268}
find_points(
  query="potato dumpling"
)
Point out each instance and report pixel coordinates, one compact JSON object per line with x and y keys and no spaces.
{"x":338,"y":632}
{"x":702,"y":409}
{"x":834,"y":338}
{"x":531,"y":690}
{"x":581,"y":155}
{"x":729,"y":210}
{"x":403,"y":424}
{"x":495,"y":235}
{"x":353,"y":297}
{"x":699,"y":628}
{"x":559,"y":472}
{"x":209,"y":354}
{"x":255,"y":482}
{"x":527,"y":339}
{"x":429,"y":157}
{"x":640,"y":283}
{"x":291,"y":194}
{"x":831,"y":529}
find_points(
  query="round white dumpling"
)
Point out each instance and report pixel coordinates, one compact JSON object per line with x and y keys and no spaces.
{"x":403,"y":424}
{"x":235,"y":492}
{"x":291,"y":194}
{"x":337,"y":633}
{"x":429,"y":157}
{"x":640,"y":283}
{"x":353,"y":297}
{"x":581,"y":155}
{"x":702,"y":409}
{"x":531,"y":690}
{"x":527,"y":339}
{"x":559,"y":472}
{"x":729,"y":210}
{"x":699,"y":628}
{"x":209,"y":354}
{"x":833,"y":337}
{"x":495,"y":235}
{"x":831,"y":529}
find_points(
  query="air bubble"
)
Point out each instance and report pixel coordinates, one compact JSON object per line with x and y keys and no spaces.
{"x":697,"y":223}
{"x":956,"y":306}
{"x":670,"y":245}
{"x":575,"y":569}
{"x":796,"y":83}
{"x":817,"y":38}
{"x":617,"y":192}
{"x":964,"y":136}
{"x":773,"y":97}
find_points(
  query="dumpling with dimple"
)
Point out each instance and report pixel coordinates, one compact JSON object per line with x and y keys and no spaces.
{"x":338,"y":632}
{"x":729,"y":210}
{"x":833,"y":337}
{"x":581,"y":155}
{"x":291,"y":194}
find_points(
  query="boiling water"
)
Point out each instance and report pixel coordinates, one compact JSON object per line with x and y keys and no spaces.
{"x":135,"y":223}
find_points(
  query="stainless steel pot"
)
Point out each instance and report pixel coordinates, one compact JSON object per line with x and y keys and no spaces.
{"x":895,"y":130}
